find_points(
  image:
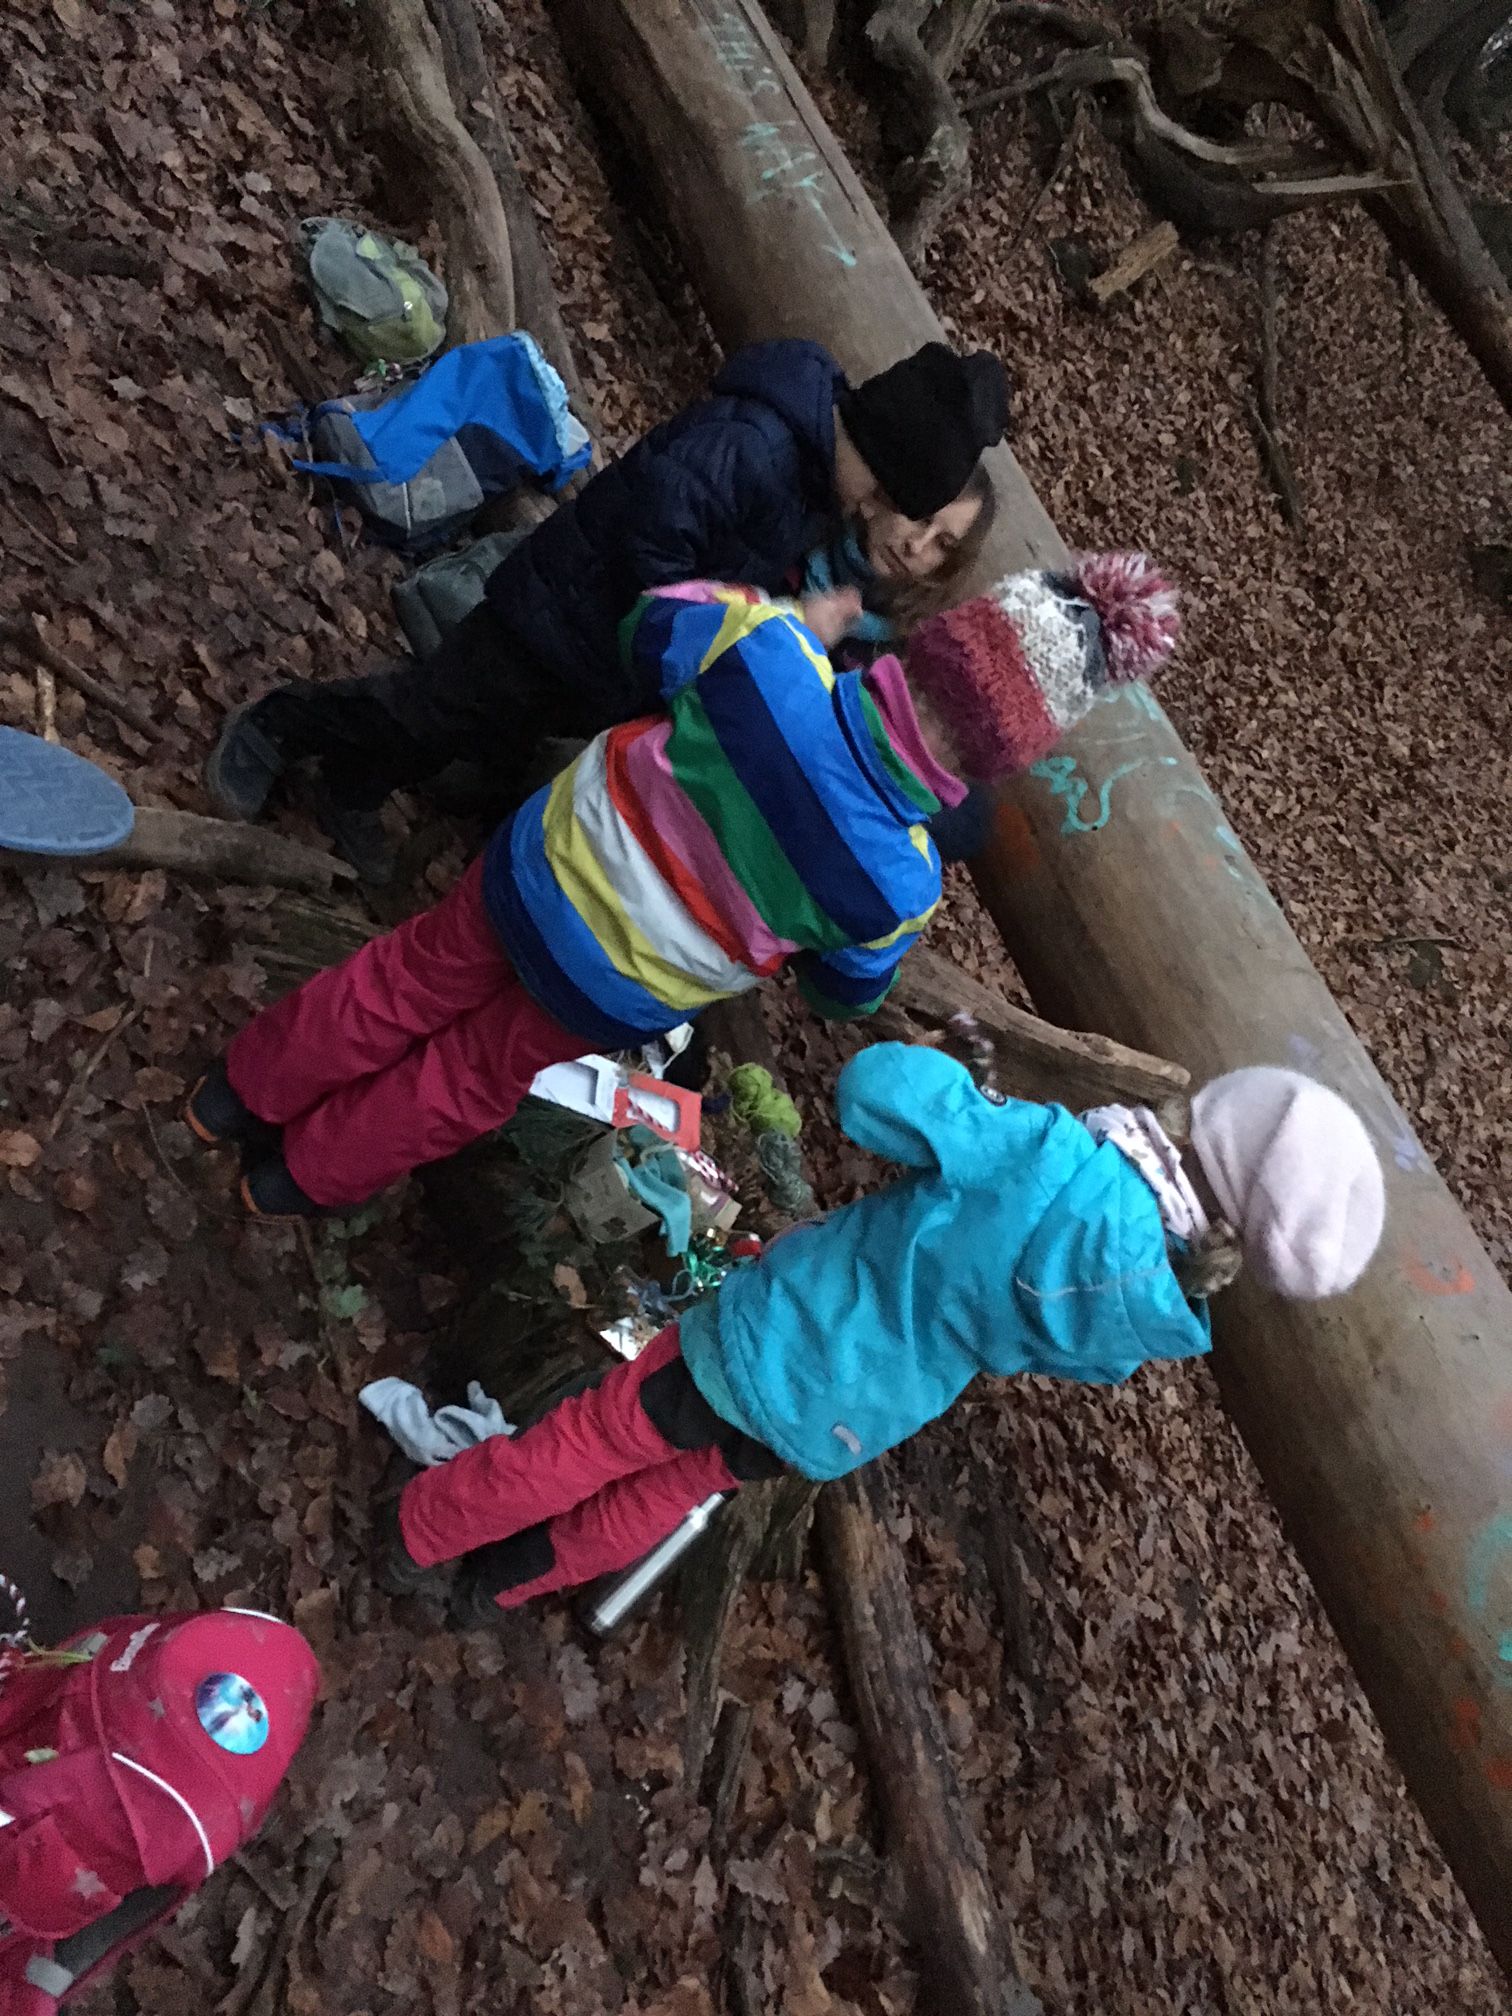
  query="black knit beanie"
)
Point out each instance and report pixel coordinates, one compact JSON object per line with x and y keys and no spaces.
{"x":921,"y":425}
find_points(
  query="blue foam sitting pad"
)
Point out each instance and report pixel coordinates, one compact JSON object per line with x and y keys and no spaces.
{"x":53,"y":802}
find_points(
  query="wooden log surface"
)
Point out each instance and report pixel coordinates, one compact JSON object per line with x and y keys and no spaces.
{"x":1382,"y":1423}
{"x":186,"y":843}
{"x":1069,"y":1067}
{"x":949,"y":1908}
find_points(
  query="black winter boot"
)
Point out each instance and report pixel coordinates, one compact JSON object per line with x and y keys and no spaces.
{"x":245,"y":766}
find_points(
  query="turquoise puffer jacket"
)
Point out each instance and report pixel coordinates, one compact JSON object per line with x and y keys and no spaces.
{"x":1020,"y":1245}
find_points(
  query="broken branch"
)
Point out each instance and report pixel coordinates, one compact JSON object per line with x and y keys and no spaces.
{"x":186,"y":843}
{"x":29,"y":638}
{"x":1067,"y":1067}
{"x":1277,"y":461}
{"x":1141,"y":257}
{"x":952,"y":1913}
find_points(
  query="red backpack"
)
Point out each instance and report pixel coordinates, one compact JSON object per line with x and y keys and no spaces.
{"x":132,"y":1761}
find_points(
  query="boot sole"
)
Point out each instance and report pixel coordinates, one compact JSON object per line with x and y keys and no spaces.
{"x":255,"y":1210}
{"x":203,"y":1134}
{"x":226,"y":801}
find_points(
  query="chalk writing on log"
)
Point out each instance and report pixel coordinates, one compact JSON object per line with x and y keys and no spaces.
{"x":1492,"y":1547}
{"x":1059,"y":772}
{"x":783,"y":159}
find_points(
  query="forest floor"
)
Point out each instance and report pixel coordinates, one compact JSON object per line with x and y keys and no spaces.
{"x":1186,"y":1803}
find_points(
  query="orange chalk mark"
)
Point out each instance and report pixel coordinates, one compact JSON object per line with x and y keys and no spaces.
{"x":1429,"y":1281}
{"x":1426,"y":1521}
{"x":1438,"y":1602}
{"x":1499,"y":1773}
{"x":1014,"y":838}
{"x":1465,"y":1734}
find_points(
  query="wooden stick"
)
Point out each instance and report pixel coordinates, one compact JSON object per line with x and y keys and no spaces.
{"x":1141,"y":257}
{"x":31,"y":640}
{"x":47,"y":704}
{"x":185,"y":843}
{"x":1058,"y":168}
{"x":1277,"y":461}
{"x":1068,"y":1067}
{"x":952,"y":1915}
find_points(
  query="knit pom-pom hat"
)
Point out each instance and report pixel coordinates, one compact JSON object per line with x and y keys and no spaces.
{"x":1012,"y":670}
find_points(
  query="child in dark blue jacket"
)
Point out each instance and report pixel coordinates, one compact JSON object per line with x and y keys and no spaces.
{"x":738,"y":488}
{"x":1023,"y":1239}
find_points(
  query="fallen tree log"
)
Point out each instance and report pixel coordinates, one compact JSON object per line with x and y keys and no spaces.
{"x":186,"y":843}
{"x":949,"y":1907}
{"x":950,"y":1912}
{"x":1379,"y":1423}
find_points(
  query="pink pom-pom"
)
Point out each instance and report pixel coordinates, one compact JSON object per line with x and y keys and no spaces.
{"x":1137,"y":608}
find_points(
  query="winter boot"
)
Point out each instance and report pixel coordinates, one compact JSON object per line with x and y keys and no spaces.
{"x":245,"y":766}
{"x":358,"y":835}
{"x":394,"y":1568}
{"x":269,"y":1191}
{"x":218,"y":1117}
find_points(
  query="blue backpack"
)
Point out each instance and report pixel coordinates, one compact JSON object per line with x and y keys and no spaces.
{"x":421,"y":462}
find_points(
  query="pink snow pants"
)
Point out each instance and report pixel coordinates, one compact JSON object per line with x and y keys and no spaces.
{"x":419,"y":1043}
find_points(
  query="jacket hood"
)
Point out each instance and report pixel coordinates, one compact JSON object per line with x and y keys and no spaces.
{"x":799,"y":381}
{"x":1096,"y":1267}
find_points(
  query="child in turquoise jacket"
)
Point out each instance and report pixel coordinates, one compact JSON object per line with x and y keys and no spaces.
{"x":1023,"y":1239}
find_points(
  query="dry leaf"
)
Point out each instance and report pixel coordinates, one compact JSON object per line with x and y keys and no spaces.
{"x":60,"y":1480}
{"x":571,"y":1284}
{"x":120,"y":1447}
{"x":434,"y":1941}
{"x":18,"y":1150}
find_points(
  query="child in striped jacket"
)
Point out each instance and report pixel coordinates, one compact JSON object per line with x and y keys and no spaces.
{"x":775,"y":812}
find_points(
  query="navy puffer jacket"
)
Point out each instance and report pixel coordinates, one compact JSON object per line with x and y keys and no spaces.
{"x":737,"y":488}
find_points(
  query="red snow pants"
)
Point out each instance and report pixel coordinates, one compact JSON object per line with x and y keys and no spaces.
{"x":591,"y":1487}
{"x":419,"y":1043}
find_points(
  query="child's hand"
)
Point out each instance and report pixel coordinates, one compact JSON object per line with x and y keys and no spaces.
{"x":830,"y":615}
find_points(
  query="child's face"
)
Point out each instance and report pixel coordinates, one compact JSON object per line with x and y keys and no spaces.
{"x":911,"y":549}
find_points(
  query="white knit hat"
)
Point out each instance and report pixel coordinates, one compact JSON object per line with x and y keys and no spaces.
{"x":1294,"y":1171}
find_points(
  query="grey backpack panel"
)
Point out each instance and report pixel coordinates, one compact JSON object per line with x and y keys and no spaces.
{"x":437,"y":502}
{"x":432,"y":601}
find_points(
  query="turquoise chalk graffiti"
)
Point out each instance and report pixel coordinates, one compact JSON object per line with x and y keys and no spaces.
{"x":794,"y":171}
{"x":1060,"y":773}
{"x":786,"y":162}
{"x":1491,"y":1544}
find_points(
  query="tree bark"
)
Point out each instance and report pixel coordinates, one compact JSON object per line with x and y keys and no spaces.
{"x":407,"y":58}
{"x":536,"y":306}
{"x":1037,"y":1060}
{"x":950,"y":1911}
{"x":937,"y":172}
{"x":185,"y":843}
{"x":1128,"y":902}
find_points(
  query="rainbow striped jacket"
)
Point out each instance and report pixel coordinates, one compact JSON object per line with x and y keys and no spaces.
{"x":775,"y":811}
